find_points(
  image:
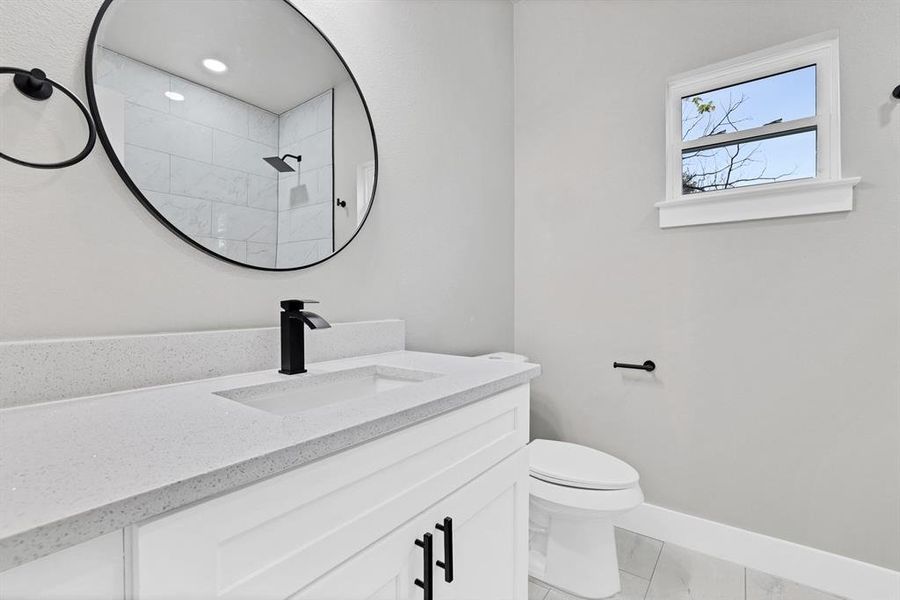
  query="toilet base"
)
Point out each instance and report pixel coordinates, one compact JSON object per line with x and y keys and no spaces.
{"x":572,"y":553}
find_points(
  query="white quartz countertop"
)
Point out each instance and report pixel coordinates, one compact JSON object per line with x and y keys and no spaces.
{"x":76,"y":469}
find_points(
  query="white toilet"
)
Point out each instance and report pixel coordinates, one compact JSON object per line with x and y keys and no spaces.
{"x":576,"y":494}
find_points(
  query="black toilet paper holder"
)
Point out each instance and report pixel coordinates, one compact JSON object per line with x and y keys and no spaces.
{"x":648,"y":366}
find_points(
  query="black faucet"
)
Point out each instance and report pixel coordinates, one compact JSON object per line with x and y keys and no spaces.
{"x":293,"y":317}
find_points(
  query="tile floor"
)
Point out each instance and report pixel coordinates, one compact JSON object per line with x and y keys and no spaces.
{"x":653,"y":570}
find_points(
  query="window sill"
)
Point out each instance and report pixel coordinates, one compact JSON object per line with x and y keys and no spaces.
{"x":786,"y":199}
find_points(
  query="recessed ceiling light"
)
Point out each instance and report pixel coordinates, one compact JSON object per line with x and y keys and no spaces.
{"x":216,"y":66}
{"x":175,"y":96}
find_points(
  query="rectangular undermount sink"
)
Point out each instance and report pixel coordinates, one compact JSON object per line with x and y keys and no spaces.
{"x":311,"y":390}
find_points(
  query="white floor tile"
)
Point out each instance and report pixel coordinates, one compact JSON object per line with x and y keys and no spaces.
{"x":683,"y":574}
{"x":762,"y":586}
{"x":536,"y":591}
{"x":637,"y":553}
{"x":559,"y":595}
{"x":633,"y":588}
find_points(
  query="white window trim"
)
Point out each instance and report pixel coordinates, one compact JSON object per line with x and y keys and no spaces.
{"x":827,"y":192}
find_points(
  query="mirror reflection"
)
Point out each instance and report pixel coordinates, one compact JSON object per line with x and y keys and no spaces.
{"x":237,"y":123}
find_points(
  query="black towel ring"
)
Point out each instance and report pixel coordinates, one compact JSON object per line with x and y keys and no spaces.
{"x":36,"y":85}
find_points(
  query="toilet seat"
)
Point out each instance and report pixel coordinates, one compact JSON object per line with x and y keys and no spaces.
{"x":575,"y":466}
{"x":563,"y":499}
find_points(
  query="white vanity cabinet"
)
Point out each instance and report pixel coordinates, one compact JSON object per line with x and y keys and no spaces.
{"x":344,"y":527}
{"x":340,"y":528}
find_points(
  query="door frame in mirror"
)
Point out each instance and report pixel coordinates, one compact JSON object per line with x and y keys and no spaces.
{"x":132,"y":186}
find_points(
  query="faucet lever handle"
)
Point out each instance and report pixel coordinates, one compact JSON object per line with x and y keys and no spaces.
{"x":293,"y":305}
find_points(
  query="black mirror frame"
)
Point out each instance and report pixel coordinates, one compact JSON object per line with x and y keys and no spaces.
{"x":120,"y":168}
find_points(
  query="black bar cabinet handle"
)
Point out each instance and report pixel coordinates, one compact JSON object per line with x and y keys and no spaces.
{"x":648,"y":365}
{"x":427,"y":585}
{"x":447,"y":563}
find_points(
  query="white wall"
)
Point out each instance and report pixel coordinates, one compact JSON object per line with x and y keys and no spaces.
{"x":776,"y":403}
{"x":80,"y":256}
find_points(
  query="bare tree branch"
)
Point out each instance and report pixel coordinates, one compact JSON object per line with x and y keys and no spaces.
{"x":724,"y":167}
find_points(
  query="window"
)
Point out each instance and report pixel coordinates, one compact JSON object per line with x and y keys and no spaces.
{"x":756,"y":137}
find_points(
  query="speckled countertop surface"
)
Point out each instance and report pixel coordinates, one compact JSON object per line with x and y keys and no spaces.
{"x":76,"y":469}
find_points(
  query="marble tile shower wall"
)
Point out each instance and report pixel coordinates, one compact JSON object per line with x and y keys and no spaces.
{"x":199,"y":161}
{"x":305,"y":198}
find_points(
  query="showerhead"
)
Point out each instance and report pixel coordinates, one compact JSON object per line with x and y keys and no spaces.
{"x":280,"y":165}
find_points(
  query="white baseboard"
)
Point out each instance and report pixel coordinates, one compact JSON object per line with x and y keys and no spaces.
{"x":808,"y":566}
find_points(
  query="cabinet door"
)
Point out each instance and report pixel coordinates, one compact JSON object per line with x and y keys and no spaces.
{"x":490,"y":536}
{"x":383,"y":571}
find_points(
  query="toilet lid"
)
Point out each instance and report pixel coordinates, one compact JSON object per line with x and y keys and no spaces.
{"x":573,"y":465}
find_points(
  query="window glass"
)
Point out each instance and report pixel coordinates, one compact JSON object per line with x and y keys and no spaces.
{"x":749,"y":163}
{"x":782,"y":97}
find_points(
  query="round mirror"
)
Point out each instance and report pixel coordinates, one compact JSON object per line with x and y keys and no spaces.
{"x":236,"y":123}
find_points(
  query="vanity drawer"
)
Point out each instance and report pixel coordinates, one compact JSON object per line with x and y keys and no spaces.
{"x":272,"y":538}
